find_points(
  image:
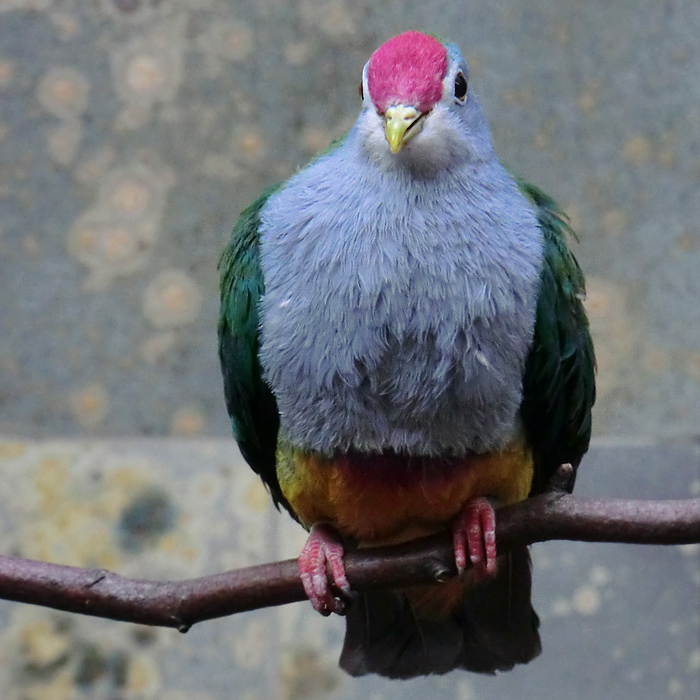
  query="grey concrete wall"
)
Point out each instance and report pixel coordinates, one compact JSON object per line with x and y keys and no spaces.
{"x":132,"y":133}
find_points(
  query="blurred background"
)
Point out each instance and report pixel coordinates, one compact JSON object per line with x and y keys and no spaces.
{"x":132,"y":133}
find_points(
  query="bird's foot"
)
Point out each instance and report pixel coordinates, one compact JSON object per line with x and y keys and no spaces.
{"x":327,"y":594}
{"x":474,"y":530}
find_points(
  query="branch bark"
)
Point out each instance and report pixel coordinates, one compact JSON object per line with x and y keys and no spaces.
{"x":550,"y":516}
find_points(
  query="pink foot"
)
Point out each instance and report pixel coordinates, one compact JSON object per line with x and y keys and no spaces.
{"x":323,"y":546}
{"x":475,"y":529}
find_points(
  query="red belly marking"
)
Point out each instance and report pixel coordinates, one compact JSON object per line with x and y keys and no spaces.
{"x":388,"y":497}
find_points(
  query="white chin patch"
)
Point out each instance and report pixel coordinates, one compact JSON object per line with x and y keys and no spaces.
{"x":441,"y":142}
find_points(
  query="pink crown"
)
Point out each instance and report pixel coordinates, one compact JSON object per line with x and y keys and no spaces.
{"x":407,"y":69}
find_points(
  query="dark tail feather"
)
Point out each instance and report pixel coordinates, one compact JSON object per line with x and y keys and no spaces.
{"x":499,"y":623}
{"x":384,"y":636}
{"x":494,"y":629}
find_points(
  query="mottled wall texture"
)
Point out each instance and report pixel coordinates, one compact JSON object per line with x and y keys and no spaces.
{"x":619,"y":622}
{"x":132,"y":132}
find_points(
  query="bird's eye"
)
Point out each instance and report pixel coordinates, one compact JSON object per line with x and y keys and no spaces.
{"x":460,"y":86}
{"x":362,"y":92}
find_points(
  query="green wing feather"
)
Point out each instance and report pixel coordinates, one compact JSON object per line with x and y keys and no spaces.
{"x":559,"y":379}
{"x":249,"y":400}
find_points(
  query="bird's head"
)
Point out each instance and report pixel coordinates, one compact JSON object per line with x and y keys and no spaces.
{"x":418,"y":109}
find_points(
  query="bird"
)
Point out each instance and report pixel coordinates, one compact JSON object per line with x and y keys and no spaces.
{"x":404,"y":348}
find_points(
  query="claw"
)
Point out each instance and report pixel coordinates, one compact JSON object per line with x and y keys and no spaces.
{"x":562,"y":481}
{"x":475,"y":530}
{"x":324,"y":547}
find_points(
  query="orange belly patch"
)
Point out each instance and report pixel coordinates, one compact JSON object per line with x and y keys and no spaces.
{"x":382,"y":499}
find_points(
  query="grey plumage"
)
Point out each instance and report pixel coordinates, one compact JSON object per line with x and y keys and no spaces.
{"x":398,"y":310}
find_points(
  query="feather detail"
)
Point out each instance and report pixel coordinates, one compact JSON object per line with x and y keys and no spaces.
{"x":249,"y":400}
{"x":559,"y":380}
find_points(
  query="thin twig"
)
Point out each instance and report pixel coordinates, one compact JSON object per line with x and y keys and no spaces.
{"x":551,"y":516}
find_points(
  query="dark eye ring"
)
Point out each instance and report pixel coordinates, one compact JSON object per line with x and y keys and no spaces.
{"x":460,"y":86}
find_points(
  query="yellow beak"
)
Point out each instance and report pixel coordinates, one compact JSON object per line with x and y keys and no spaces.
{"x":398,"y":121}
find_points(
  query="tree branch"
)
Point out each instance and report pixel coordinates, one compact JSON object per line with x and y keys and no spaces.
{"x":550,"y":516}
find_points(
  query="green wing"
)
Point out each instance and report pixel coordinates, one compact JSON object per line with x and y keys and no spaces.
{"x":249,"y":400}
{"x":559,"y":380}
